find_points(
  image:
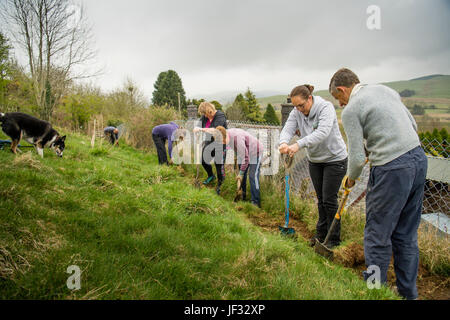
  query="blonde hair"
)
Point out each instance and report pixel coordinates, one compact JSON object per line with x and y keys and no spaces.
{"x":206,"y":108}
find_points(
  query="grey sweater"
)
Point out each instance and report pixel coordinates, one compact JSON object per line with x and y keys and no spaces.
{"x":377,"y":114}
{"x":320,"y":133}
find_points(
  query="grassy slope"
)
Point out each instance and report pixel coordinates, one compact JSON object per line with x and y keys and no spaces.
{"x":141,"y":231}
{"x":435,"y":87}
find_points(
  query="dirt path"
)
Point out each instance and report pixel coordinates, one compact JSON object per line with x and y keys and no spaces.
{"x":430,"y":287}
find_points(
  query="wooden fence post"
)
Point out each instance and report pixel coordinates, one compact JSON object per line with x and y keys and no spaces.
{"x":93,"y":134}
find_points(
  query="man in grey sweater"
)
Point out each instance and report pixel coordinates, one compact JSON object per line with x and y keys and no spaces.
{"x":375,"y":113}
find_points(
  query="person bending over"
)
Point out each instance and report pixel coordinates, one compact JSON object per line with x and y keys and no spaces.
{"x":161,"y":134}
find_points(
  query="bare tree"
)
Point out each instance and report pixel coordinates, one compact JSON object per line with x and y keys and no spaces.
{"x":56,"y":38}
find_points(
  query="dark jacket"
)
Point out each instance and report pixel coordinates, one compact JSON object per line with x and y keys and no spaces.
{"x":218,"y":120}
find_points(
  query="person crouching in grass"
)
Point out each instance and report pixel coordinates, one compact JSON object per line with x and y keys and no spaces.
{"x":249,"y":151}
{"x":161,"y":134}
{"x":112,"y":133}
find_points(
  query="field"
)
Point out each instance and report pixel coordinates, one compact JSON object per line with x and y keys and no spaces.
{"x":141,"y":231}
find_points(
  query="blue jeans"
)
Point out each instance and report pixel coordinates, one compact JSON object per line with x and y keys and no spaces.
{"x":253,"y":171}
{"x":393,"y":210}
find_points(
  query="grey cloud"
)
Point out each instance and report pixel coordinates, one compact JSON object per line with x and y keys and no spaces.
{"x":197,"y":36}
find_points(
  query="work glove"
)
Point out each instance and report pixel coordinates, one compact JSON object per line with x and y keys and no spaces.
{"x":344,"y":183}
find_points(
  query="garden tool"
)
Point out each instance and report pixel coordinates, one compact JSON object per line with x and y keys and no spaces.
{"x":239,"y":191}
{"x":4,"y":143}
{"x":322,"y":248}
{"x":197,"y":183}
{"x":238,"y":195}
{"x":360,"y":189}
{"x":285,"y":230}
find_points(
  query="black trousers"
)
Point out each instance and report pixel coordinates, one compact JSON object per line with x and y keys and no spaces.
{"x":220,"y":167}
{"x":160,"y":144}
{"x":112,"y":137}
{"x":327,"y":179}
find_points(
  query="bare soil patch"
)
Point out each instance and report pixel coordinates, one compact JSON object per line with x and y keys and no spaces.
{"x":430,"y":287}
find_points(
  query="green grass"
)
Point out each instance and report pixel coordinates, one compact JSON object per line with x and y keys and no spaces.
{"x":434,"y":87}
{"x":141,"y":231}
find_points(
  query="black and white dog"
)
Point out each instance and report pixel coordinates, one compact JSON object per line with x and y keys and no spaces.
{"x":40,"y":133}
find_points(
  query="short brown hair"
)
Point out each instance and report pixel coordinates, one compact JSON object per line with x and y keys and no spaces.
{"x":343,"y":78}
{"x":223,"y":131}
{"x":305,"y":91}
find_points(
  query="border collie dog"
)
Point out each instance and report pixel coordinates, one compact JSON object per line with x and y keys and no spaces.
{"x":39,"y":133}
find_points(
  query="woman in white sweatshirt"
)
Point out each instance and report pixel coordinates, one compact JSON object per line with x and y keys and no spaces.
{"x":316,"y":120}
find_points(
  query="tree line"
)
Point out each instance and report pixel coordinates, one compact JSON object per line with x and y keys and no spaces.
{"x":56,"y":39}
{"x":419,"y":110}
{"x":245,"y":107}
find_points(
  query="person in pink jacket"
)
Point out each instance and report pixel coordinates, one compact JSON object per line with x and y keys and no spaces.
{"x":249,"y":153}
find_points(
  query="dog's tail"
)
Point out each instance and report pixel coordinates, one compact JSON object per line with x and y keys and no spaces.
{"x":2,"y":117}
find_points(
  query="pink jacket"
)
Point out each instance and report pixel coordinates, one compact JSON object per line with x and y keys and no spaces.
{"x":246,"y":146}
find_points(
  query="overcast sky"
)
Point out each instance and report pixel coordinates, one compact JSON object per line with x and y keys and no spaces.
{"x":218,"y":45}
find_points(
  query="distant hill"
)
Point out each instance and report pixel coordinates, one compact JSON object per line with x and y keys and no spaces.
{"x":428,"y":77}
{"x":436,"y":87}
{"x":432,"y":90}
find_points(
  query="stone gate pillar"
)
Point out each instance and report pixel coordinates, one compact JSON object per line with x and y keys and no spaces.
{"x":286,"y":109}
{"x":192,"y":112}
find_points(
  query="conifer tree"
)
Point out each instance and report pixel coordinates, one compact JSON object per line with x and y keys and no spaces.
{"x":270,"y":115}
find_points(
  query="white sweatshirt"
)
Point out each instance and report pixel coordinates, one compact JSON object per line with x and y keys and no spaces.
{"x":320,"y":133}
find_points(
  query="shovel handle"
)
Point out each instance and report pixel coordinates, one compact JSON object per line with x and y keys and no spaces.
{"x":288,"y":161}
{"x":342,"y":204}
{"x":287,"y":201}
{"x":337,"y":217}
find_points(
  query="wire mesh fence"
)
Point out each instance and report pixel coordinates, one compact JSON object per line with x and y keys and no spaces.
{"x":268,"y":135}
{"x":437,"y":192}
